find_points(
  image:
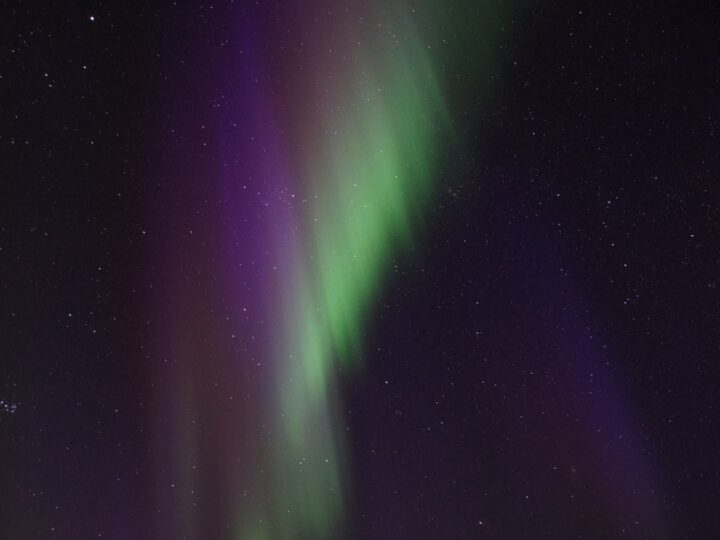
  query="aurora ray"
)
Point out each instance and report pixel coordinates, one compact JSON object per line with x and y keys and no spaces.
{"x":370,"y":167}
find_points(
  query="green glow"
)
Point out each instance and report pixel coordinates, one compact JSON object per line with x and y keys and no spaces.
{"x":369,"y":168}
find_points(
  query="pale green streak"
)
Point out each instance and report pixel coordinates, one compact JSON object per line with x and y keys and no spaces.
{"x":367,"y":180}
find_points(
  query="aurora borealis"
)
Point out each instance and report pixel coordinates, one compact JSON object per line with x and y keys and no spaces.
{"x":351,"y":199}
{"x":345,"y":186}
{"x":371,"y":164}
{"x":387,"y":270}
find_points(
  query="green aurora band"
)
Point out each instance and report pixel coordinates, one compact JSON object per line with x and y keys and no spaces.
{"x":376,"y":171}
{"x":370,"y":173}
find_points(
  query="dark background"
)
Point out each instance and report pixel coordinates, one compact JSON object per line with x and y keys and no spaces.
{"x":542,"y":366}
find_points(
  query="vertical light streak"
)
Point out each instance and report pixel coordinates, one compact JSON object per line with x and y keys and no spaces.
{"x":364,"y":178}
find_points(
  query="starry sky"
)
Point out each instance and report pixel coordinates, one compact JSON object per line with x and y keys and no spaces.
{"x":318,"y":270}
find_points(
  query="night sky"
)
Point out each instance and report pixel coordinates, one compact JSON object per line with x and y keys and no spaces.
{"x":360,"y":270}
